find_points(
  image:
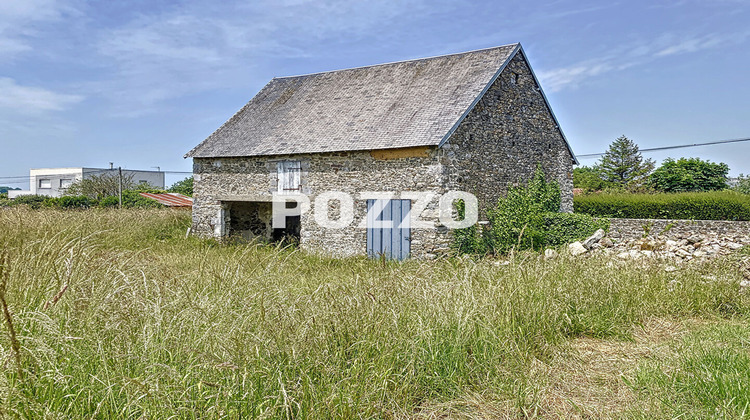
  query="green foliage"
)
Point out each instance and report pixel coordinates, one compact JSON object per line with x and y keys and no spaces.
{"x":33,"y":201}
{"x":527,"y":217}
{"x":588,"y":179}
{"x":70,"y":202}
{"x":130,"y":199}
{"x":468,"y":240}
{"x":692,"y":174}
{"x":623,"y":167}
{"x":184,"y":187}
{"x":517,"y":221}
{"x":714,"y":205}
{"x":100,"y":186}
{"x":4,"y":190}
{"x":743,"y":184}
{"x":564,"y":228}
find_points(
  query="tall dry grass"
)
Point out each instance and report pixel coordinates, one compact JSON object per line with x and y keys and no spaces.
{"x":120,"y":316}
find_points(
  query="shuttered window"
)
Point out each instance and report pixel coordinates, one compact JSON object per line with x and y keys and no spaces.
{"x":289,"y":177}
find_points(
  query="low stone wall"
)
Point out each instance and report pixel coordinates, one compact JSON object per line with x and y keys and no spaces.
{"x":628,"y":229}
{"x":679,"y":241}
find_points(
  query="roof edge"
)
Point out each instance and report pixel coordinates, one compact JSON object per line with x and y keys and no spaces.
{"x":399,"y":61}
{"x":518,"y":49}
{"x":192,"y":151}
{"x":549,"y":107}
{"x":481,"y":94}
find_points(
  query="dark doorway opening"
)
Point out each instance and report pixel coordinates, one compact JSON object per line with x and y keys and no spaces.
{"x":253,"y":220}
{"x":290,"y":233}
{"x":249,"y":221}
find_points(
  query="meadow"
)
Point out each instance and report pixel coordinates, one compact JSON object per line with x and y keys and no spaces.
{"x":117,"y":314}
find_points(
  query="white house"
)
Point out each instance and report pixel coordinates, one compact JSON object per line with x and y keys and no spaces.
{"x":54,"y":181}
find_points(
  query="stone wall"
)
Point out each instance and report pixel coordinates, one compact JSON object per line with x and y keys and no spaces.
{"x":505,"y":137}
{"x":628,"y":229}
{"x":221,"y":182}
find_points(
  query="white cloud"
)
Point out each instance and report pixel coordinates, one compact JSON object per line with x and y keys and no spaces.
{"x":632,"y":55}
{"x":31,"y":99}
{"x":18,"y":19}
{"x":691,"y":45}
{"x":29,"y":10}
{"x":195,"y":47}
{"x":573,"y":76}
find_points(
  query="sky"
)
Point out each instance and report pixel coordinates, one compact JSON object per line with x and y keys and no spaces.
{"x":139,"y":83}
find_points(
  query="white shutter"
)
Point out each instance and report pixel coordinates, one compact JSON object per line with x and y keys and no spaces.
{"x":289,"y":177}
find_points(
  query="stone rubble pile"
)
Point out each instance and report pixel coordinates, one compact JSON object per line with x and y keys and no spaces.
{"x":679,"y":248}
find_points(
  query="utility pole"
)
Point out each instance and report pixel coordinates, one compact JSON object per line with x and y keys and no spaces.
{"x":119,"y":190}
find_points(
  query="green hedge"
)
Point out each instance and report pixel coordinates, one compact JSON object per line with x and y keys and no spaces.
{"x":70,"y":202}
{"x":33,"y":201}
{"x":130,"y":199}
{"x":715,"y":205}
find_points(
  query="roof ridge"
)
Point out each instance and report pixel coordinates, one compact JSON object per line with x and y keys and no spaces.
{"x":514,"y":44}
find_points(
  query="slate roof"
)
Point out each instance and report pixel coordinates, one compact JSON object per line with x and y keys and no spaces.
{"x":404,"y":104}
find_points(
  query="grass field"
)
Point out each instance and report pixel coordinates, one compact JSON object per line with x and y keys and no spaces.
{"x":117,"y":314}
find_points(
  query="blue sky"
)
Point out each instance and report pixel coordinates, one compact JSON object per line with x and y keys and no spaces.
{"x":139,"y":83}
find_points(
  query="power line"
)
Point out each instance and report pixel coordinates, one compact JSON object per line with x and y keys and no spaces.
{"x":681,"y":146}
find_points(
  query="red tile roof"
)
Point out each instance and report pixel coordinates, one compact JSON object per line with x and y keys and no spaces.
{"x":170,"y":199}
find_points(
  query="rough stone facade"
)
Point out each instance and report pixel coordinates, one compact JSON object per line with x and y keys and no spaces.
{"x":505,"y":137}
{"x":501,"y":142}
{"x":221,"y":183}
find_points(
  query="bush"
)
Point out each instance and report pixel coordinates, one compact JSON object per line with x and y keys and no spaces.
{"x":184,"y":187}
{"x":70,"y":202}
{"x":716,"y":205}
{"x":526,"y":218}
{"x":517,"y":221}
{"x":33,"y":201}
{"x":130,"y":199}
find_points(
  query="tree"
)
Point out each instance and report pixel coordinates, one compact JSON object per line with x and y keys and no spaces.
{"x":100,"y":186}
{"x":691,"y":174}
{"x":4,"y":189}
{"x":622,"y":165}
{"x":184,"y":187}
{"x":743,"y":184}
{"x":588,"y":178}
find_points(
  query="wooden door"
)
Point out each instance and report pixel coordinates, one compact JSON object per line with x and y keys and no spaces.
{"x":388,"y":229}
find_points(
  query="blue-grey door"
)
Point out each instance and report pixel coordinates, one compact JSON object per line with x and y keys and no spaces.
{"x":388,"y":229}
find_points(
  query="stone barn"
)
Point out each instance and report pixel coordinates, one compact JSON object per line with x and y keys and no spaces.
{"x":393,"y":137}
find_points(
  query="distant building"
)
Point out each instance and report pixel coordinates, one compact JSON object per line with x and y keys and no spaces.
{"x":54,"y":181}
